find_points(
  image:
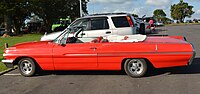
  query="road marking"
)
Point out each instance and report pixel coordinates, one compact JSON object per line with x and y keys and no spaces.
{"x":14,"y":74}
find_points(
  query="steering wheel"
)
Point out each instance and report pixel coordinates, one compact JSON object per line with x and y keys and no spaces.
{"x":71,"y":40}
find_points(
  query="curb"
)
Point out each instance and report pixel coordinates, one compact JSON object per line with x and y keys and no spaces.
{"x":8,"y":70}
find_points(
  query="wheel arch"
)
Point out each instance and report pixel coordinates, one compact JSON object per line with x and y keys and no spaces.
{"x":20,"y":57}
{"x":149,"y":64}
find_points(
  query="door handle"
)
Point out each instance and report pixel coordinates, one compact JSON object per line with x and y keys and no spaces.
{"x":94,"y":48}
{"x":108,"y":32}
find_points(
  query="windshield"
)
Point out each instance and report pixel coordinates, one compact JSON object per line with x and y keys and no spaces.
{"x":69,"y":32}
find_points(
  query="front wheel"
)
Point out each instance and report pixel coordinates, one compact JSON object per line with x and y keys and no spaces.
{"x":135,"y":67}
{"x":27,"y":67}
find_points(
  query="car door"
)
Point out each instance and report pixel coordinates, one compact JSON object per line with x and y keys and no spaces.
{"x":75,"y":56}
{"x":98,"y":26}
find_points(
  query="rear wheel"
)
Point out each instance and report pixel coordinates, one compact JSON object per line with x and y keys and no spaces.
{"x":27,"y":67}
{"x":135,"y":67}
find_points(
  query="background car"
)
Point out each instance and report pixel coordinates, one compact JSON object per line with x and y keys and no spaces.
{"x":159,"y":23}
{"x":103,"y":25}
{"x":140,"y":26}
{"x":2,"y":31}
{"x":60,"y":24}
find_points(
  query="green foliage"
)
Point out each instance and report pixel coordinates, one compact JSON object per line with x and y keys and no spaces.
{"x":14,"y":12}
{"x":159,"y":14}
{"x":50,"y":10}
{"x":2,"y":66}
{"x":181,"y":10}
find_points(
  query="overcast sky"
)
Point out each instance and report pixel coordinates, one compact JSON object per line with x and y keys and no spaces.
{"x":140,"y":7}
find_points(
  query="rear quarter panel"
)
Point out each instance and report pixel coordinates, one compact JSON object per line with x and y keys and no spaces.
{"x":170,"y":55}
{"x":111,"y":55}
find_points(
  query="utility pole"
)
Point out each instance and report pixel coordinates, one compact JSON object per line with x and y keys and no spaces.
{"x":81,"y":8}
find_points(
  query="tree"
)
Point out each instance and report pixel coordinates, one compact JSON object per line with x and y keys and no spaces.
{"x":13,"y":12}
{"x":50,"y":10}
{"x":159,"y":14}
{"x":181,"y":10}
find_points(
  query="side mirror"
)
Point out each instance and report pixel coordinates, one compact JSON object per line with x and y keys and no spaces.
{"x":63,"y":45}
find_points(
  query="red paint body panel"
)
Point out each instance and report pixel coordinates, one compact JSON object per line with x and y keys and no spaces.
{"x":160,"y":51}
{"x":75,"y":56}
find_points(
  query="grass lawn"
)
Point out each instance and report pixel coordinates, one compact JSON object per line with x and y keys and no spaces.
{"x":14,"y":40}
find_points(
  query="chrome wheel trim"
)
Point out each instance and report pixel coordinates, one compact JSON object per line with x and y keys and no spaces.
{"x":135,"y":67}
{"x":26,"y":67}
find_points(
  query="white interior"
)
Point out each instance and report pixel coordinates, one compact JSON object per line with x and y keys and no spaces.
{"x":86,"y":39}
{"x":130,"y":38}
{"x":119,"y":38}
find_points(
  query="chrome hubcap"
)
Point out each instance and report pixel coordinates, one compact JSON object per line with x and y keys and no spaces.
{"x":26,"y":66}
{"x":135,"y":66}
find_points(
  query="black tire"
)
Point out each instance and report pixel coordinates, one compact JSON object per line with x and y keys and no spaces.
{"x":27,"y":67}
{"x":139,"y":68}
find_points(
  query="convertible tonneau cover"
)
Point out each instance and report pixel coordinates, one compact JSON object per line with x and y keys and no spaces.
{"x":118,"y":38}
{"x":126,"y":38}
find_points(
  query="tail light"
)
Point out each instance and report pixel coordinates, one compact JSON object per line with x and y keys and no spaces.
{"x":130,"y":21}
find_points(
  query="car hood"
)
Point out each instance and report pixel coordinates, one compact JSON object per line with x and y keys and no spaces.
{"x":40,"y":44}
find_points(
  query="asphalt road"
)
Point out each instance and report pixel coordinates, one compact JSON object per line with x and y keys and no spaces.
{"x":178,"y":80}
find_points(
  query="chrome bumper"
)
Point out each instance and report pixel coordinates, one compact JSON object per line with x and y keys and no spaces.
{"x":8,"y":63}
{"x":193,"y":55}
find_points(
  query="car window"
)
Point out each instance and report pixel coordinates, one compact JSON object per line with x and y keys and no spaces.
{"x":81,"y":22}
{"x":120,"y":21}
{"x":99,"y":23}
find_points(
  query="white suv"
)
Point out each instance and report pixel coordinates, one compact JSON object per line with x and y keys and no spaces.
{"x":102,"y":25}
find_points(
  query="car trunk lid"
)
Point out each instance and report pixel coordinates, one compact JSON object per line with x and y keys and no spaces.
{"x":164,"y":39}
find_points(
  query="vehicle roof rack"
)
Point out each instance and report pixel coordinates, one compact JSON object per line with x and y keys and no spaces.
{"x":107,"y":14}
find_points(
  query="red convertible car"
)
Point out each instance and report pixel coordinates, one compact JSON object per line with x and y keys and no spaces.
{"x":132,"y":53}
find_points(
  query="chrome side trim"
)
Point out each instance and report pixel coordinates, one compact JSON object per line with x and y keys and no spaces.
{"x":80,"y":54}
{"x":109,"y":54}
{"x":129,"y":53}
{"x":142,"y":53}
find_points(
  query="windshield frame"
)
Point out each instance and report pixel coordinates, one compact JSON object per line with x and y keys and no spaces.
{"x":61,"y":39}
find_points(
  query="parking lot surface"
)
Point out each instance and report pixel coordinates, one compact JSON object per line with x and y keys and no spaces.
{"x":178,"y":80}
